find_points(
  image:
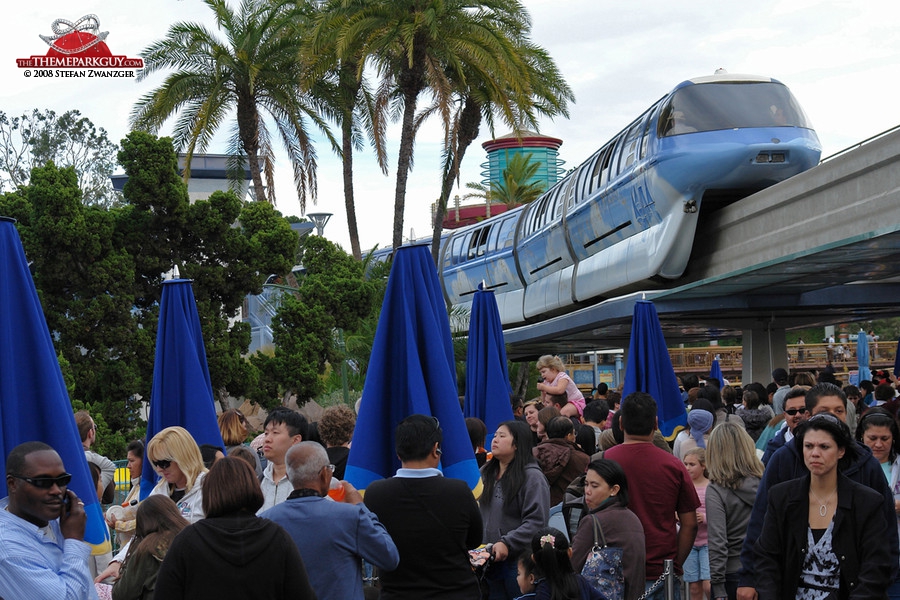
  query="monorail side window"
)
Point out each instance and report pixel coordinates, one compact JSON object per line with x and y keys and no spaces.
{"x":604,"y":168}
{"x":594,"y":170}
{"x":471,"y":243}
{"x":506,"y":233}
{"x":541,"y":209}
{"x":565,"y":198}
{"x":532,"y":216}
{"x":731,"y":105}
{"x":580,"y":191}
{"x":456,"y":250}
{"x":632,"y":144}
{"x":615,"y":158}
{"x":482,"y":236}
{"x":646,"y":135}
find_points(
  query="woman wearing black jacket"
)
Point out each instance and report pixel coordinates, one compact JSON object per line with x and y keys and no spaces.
{"x":823,"y":534}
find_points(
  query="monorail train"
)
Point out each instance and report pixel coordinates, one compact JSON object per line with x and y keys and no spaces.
{"x":629,"y":213}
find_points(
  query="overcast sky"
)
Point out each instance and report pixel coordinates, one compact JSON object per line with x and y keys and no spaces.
{"x":841,"y":60}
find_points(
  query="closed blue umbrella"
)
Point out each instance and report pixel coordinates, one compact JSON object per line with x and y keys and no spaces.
{"x":649,"y":369}
{"x":412,"y":371}
{"x":181,"y":394}
{"x":34,"y":402}
{"x":897,"y":360}
{"x":487,"y":378}
{"x":862,"y":356}
{"x":715,"y":372}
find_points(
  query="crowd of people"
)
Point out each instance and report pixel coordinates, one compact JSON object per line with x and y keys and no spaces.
{"x":785,"y":490}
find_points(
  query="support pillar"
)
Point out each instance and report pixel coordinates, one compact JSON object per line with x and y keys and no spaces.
{"x":621,"y":363}
{"x":764,"y":350}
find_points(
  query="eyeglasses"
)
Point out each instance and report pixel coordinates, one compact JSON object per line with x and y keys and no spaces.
{"x":794,"y":411}
{"x":162,"y":464}
{"x":45,"y":483}
{"x":331,"y":468}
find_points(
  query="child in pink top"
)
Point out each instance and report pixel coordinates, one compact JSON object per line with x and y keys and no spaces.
{"x":555,"y":381}
{"x":696,"y":566}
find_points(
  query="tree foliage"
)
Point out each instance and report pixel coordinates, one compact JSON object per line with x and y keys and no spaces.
{"x":254,"y":69}
{"x":420,"y":47}
{"x":68,"y":140}
{"x":516,"y":186}
{"x":530,"y":85}
{"x":335,"y":76}
{"x":332,"y":293}
{"x":99,"y":272}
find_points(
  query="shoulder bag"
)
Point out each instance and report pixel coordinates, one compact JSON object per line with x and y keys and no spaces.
{"x":603,"y":568}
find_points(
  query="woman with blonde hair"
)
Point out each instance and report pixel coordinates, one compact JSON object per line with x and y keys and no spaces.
{"x":734,"y":472}
{"x":234,"y":428}
{"x":530,"y":412}
{"x":177,"y":459}
{"x":555,"y":381}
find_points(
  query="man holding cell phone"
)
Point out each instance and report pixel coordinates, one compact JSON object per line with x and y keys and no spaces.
{"x":42,"y":521}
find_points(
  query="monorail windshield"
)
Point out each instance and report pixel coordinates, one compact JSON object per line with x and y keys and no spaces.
{"x":716,"y":106}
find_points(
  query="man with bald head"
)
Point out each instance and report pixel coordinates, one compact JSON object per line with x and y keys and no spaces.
{"x":42,"y":521}
{"x":331,"y":536}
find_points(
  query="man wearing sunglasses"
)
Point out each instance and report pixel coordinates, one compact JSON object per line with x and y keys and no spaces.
{"x":42,"y":521}
{"x":794,"y":413}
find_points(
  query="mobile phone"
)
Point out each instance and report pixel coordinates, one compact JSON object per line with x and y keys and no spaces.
{"x":67,"y":504}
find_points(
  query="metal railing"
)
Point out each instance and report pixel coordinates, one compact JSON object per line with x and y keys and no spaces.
{"x":800,"y":357}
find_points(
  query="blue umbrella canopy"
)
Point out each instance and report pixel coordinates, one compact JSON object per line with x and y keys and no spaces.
{"x":715,"y":371}
{"x":862,"y":356}
{"x":34,"y":402}
{"x":649,"y":369}
{"x":412,"y":371}
{"x":181,"y":394}
{"x":487,"y":378}
{"x":897,"y":360}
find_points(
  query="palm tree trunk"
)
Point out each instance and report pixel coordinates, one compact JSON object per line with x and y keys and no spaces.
{"x":350,"y":85}
{"x":258,"y":188}
{"x":520,"y":380}
{"x":349,"y":202}
{"x":469,"y":122}
{"x":248,"y":128}
{"x":411,"y":82}
{"x":403,"y":164}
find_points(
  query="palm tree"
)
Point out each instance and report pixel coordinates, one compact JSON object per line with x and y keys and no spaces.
{"x":423,"y":45}
{"x":255,"y":70}
{"x":347,"y":99}
{"x":534,"y":87}
{"x":517,"y":185}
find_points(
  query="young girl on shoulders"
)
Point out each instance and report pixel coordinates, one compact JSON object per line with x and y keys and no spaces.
{"x":556,"y":579}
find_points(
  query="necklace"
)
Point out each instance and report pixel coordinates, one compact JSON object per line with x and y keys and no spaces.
{"x":823,"y":506}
